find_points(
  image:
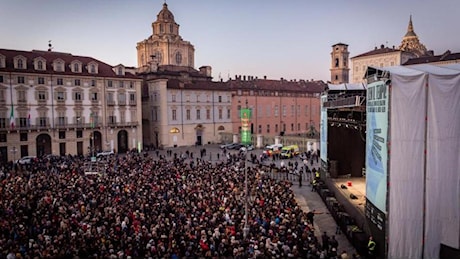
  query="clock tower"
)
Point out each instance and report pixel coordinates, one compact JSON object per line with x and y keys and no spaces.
{"x":165,"y":46}
{"x":339,"y":64}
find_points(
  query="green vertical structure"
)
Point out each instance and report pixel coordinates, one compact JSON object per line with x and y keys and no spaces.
{"x":245,"y":115}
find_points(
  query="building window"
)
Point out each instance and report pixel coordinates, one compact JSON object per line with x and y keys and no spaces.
{"x":42,"y":121}
{"x":131,"y":84}
{"x":61,"y":134}
{"x":41,"y":95}
{"x":109,"y":84}
{"x":3,"y":123}
{"x":276,"y":128}
{"x":21,"y":80}
{"x":23,"y":137}
{"x":228,"y":113}
{"x":40,"y":65}
{"x":187,"y":114}
{"x":292,"y":127}
{"x":60,"y":95}
{"x":93,"y":83}
{"x":3,"y":137}
{"x":79,"y":134}
{"x":132,"y":99}
{"x":284,"y":110}
{"x":268,"y":129}
{"x":198,"y":115}
{"x":174,"y":114}
{"x":76,"y":68}
{"x":1,"y":78}
{"x":121,"y":98}
{"x":170,"y":28}
{"x":173,"y":97}
{"x":22,"y":122}
{"x":92,"y":68}
{"x":22,"y":96}
{"x":260,"y":129}
{"x":121,"y":84}
{"x":284,"y":127}
{"x":220,"y":99}
{"x":220,"y":113}
{"x":77,"y":96}
{"x":120,"y":71}
{"x":41,"y":80}
{"x":77,"y":82}
{"x":178,"y":58}
{"x":60,"y":82}
{"x":276,"y":112}
{"x":94,"y":96}
{"x":298,"y":127}
{"x":292,"y":110}
{"x":20,"y":64}
{"x":208,"y":114}
{"x":336,"y":62}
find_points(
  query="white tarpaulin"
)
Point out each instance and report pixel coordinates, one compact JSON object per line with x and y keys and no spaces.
{"x":424,"y":187}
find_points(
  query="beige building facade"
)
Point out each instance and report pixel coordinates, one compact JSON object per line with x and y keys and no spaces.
{"x":59,"y":103}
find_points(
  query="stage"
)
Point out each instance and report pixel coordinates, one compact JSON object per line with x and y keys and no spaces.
{"x":349,"y":213}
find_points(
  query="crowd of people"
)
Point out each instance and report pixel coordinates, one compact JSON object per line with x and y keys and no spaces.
{"x":152,"y":206}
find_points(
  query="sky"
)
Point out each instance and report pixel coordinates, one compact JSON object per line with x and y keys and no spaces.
{"x":288,"y":39}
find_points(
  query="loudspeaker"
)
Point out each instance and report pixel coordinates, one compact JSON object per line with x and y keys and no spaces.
{"x":334,"y":169}
{"x":353,"y":197}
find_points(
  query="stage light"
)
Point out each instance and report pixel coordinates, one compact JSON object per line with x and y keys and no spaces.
{"x":332,"y":124}
{"x":346,"y":125}
{"x":339,"y":125}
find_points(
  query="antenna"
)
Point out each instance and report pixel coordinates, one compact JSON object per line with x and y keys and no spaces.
{"x":50,"y":46}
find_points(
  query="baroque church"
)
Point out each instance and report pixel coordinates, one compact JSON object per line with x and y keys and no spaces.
{"x":383,"y":56}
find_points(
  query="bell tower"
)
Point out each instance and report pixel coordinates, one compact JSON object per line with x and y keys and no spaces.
{"x":339,"y":63}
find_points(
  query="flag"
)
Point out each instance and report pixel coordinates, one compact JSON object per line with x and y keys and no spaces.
{"x":12,"y":116}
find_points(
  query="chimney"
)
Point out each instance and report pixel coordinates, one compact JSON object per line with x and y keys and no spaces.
{"x":244,"y":77}
{"x":265,"y":77}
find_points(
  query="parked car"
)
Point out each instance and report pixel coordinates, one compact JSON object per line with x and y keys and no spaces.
{"x":26,"y":160}
{"x":248,"y":147}
{"x":225,"y":146}
{"x":235,"y":146}
{"x":104,"y":153}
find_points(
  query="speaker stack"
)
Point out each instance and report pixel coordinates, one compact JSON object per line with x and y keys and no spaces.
{"x":334,"y":169}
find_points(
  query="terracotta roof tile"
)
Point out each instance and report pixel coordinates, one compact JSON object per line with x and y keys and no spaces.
{"x":104,"y":70}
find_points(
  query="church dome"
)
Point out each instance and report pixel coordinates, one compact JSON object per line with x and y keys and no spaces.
{"x":165,"y":15}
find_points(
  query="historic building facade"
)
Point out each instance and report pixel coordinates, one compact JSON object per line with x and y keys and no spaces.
{"x":389,"y":56}
{"x":59,"y":103}
{"x":279,"y":107}
{"x":181,"y":105}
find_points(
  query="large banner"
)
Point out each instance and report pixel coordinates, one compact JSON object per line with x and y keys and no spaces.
{"x":323,"y":130}
{"x":245,"y":114}
{"x":376,"y":144}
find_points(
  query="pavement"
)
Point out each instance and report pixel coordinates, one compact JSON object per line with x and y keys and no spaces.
{"x":306,"y":198}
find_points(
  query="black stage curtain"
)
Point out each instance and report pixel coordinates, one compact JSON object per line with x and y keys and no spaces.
{"x":346,"y":146}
